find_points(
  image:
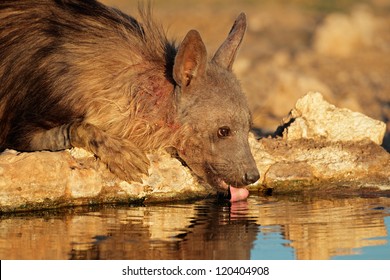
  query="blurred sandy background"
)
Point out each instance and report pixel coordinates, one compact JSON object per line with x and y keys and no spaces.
{"x":338,"y":47}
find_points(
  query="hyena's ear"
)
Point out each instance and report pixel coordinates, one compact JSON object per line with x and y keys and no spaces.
{"x":190,"y":60}
{"x":226,"y":53}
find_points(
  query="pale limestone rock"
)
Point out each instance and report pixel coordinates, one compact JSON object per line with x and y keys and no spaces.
{"x":313,"y":117}
{"x":303,"y":164}
{"x":43,"y":178}
{"x":167,"y":177}
{"x":75,"y":177}
{"x":84,"y":183}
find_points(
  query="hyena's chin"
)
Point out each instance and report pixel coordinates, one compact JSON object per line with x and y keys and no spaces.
{"x":230,"y":192}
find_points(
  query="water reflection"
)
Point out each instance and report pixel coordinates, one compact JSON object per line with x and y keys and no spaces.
{"x":323,"y":229}
{"x":261,"y":228}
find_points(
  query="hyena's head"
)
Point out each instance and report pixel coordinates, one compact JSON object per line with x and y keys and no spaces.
{"x":211,"y":103}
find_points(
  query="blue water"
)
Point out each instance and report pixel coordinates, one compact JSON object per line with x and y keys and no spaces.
{"x":272,"y":246}
{"x":380,"y":252}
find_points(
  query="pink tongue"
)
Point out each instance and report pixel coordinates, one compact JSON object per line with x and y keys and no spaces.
{"x":238,"y":194}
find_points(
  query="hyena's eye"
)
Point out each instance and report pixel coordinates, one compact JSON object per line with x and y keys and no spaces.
{"x":224,"y":131}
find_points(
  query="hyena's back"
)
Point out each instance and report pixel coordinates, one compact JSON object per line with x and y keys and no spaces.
{"x":80,"y":70}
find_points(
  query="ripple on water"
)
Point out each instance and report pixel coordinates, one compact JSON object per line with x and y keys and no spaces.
{"x":260,"y":228}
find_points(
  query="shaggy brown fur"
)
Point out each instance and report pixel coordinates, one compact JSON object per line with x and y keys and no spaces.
{"x":79,"y":74}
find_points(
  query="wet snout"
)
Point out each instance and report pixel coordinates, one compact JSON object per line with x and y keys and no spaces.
{"x":251,"y":176}
{"x":250,"y":173}
{"x":243,"y":170}
{"x":248,"y":168}
{"x":242,"y":174}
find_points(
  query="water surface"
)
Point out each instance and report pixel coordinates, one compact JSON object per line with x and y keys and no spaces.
{"x":261,"y":228}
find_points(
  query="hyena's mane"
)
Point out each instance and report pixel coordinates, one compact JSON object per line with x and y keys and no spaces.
{"x":83,"y":60}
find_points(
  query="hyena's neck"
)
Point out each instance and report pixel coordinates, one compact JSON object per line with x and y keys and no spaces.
{"x":148,"y":116}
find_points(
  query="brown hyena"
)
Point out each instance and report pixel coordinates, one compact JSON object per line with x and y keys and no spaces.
{"x":76,"y":73}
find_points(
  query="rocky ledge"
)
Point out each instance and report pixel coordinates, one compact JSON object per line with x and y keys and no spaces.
{"x":319,"y":149}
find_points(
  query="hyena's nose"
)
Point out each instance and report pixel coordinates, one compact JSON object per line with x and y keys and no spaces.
{"x":251,"y":176}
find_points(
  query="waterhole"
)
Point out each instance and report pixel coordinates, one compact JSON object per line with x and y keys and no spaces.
{"x":260,"y":228}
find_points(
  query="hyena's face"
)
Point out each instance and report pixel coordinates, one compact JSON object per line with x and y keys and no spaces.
{"x":217,"y":115}
{"x":211,"y":104}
